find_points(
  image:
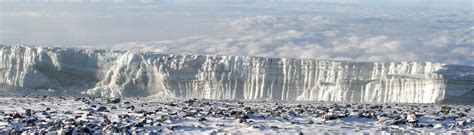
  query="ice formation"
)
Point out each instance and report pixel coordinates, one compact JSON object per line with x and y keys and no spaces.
{"x":69,"y":71}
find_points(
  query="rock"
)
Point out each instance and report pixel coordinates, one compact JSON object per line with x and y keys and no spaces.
{"x":310,"y":122}
{"x":242,"y":120}
{"x":13,"y":131}
{"x":45,"y":113}
{"x":31,"y":121}
{"x":411,"y":118}
{"x":429,"y":125}
{"x":292,"y":114}
{"x":461,"y":123}
{"x":445,"y":109}
{"x":106,"y":121}
{"x":84,"y":130}
{"x":17,"y":115}
{"x":395,"y":122}
{"x":329,"y":116}
{"x":256,"y":126}
{"x":131,"y":107}
{"x":440,"y":118}
{"x":382,"y":119}
{"x":114,"y":101}
{"x":190,"y":101}
{"x":139,"y":124}
{"x":466,"y":110}
{"x":460,"y":114}
{"x":438,"y":126}
{"x":247,"y":109}
{"x":28,"y":112}
{"x":102,"y":109}
{"x":43,"y":132}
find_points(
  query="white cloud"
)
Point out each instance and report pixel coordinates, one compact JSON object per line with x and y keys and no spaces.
{"x":316,"y":37}
{"x":323,"y":30}
{"x":37,"y":14}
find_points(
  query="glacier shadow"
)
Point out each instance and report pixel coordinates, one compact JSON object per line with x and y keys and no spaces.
{"x":459,"y":84}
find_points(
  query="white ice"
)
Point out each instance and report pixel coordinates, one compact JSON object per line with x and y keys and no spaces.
{"x":70,"y":71}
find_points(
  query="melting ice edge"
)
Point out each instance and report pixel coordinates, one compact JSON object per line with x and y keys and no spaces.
{"x":72,"y":72}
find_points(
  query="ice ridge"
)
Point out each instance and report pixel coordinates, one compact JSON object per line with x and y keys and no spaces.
{"x":72,"y":71}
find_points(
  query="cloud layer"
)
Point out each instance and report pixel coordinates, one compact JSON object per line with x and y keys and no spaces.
{"x":356,"y":30}
{"x":322,"y":38}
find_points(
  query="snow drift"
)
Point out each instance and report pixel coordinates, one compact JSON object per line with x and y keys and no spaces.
{"x":69,"y":71}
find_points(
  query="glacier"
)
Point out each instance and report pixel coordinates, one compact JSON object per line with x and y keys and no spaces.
{"x":113,"y":73}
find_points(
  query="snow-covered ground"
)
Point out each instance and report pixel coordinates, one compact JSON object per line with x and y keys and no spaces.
{"x":192,"y":116}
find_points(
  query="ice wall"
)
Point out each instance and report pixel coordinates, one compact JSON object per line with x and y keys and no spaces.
{"x":68,"y":71}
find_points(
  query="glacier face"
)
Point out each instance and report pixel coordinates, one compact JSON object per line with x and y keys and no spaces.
{"x":68,"y":71}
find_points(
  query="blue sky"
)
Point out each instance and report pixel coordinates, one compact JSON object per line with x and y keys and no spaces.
{"x":357,"y":30}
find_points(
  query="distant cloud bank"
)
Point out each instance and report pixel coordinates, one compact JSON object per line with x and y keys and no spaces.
{"x":319,"y":37}
{"x":356,"y":30}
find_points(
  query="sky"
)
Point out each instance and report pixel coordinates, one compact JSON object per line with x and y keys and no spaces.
{"x":354,"y":30}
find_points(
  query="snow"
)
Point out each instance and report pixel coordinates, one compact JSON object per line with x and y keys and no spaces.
{"x":183,"y":116}
{"x":71,"y":72}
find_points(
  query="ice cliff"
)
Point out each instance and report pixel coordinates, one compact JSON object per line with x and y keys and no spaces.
{"x":69,"y":71}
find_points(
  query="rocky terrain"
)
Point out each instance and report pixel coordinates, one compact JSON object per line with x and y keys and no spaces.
{"x":73,"y":115}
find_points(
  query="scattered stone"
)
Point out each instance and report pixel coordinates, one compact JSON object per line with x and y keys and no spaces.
{"x":17,"y":116}
{"x":102,"y":109}
{"x":28,"y":112}
{"x":106,"y":121}
{"x":172,"y":116}
{"x":114,"y":101}
{"x":411,"y":118}
{"x":329,"y":116}
{"x":438,"y":126}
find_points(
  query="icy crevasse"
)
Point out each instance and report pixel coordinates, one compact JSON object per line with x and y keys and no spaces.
{"x":68,"y":71}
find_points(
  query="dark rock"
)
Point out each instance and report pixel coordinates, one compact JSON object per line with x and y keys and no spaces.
{"x":17,"y":115}
{"x":31,"y":121}
{"x":139,"y":124}
{"x":28,"y":112}
{"x":131,"y":107}
{"x":114,"y":101}
{"x":242,"y":120}
{"x":84,"y":130}
{"x":460,"y":114}
{"x":190,"y":101}
{"x":329,"y":116}
{"x":247,"y":109}
{"x":106,"y":121}
{"x":102,"y":109}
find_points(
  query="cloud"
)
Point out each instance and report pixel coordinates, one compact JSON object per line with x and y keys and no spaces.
{"x":317,"y":37}
{"x":37,"y":14}
{"x":353,"y":31}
